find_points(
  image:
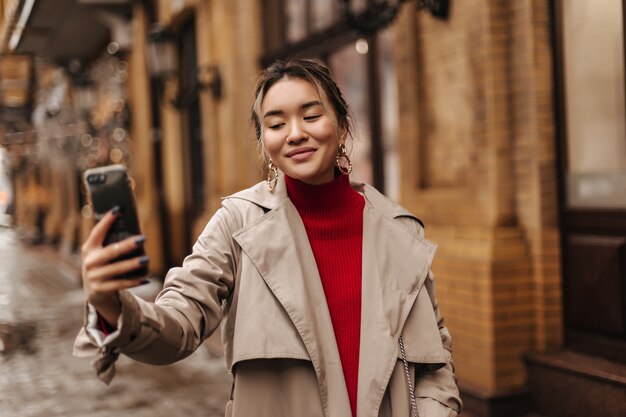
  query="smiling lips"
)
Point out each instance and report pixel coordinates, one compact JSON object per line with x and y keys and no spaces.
{"x":300,"y":154}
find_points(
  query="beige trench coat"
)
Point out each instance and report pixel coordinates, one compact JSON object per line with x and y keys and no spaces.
{"x":252,"y":271}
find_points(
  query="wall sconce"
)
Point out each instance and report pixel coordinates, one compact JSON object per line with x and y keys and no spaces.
{"x":437,"y":8}
{"x":208,"y":77}
{"x":382,"y":13}
{"x":373,"y":18}
{"x":162,"y":61}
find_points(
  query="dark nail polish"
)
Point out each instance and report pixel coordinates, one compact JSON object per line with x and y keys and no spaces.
{"x":143,"y":260}
{"x":115,"y":210}
{"x":140,"y":240}
{"x":144,"y":282}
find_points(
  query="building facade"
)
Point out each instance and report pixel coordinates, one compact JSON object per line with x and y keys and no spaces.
{"x":499,"y":123}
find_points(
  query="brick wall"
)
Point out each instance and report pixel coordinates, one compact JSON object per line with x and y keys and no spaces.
{"x":478,"y":165}
{"x":533,"y":130}
{"x":143,"y":148}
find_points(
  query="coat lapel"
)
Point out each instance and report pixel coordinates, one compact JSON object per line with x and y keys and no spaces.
{"x":278,"y":246}
{"x":395,"y":265}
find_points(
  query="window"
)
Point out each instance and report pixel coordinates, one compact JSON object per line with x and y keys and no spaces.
{"x":593,"y":59}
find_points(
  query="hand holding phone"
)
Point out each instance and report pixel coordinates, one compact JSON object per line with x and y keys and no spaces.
{"x":110,"y":187}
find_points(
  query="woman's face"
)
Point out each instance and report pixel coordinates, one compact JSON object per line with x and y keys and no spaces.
{"x":299,"y":134}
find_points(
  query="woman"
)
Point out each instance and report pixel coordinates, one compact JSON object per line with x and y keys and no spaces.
{"x":323,"y":288}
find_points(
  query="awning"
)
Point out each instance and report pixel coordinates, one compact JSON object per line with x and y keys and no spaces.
{"x":11,"y":9}
{"x":59,"y":30}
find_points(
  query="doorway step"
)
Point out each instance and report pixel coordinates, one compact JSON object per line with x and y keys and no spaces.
{"x":570,"y":384}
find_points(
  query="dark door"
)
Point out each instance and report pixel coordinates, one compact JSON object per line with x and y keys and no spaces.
{"x":591,"y":95}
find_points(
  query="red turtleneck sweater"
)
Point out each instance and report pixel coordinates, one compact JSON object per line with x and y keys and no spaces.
{"x":332,"y":214}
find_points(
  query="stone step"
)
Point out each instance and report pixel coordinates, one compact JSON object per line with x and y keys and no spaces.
{"x":470,"y":414}
{"x":570,"y":384}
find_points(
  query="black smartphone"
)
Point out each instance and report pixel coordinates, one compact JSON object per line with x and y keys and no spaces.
{"x":110,"y":186}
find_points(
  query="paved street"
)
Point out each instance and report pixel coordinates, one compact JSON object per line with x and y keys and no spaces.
{"x":41,"y":305}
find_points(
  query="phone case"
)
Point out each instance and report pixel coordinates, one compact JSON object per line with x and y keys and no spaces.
{"x":110,"y":186}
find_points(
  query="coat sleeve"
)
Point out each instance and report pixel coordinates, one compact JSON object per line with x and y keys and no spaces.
{"x":185,"y":313}
{"x":437,"y":392}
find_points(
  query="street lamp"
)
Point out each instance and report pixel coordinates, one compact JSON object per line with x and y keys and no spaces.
{"x":163,"y":65}
{"x":162,"y":59}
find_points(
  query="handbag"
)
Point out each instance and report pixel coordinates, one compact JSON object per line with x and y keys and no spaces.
{"x":414,"y":412}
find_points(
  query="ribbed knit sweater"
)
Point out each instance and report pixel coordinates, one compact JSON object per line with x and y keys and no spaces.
{"x":332,"y":214}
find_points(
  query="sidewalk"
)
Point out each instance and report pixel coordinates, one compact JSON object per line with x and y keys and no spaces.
{"x":41,"y":307}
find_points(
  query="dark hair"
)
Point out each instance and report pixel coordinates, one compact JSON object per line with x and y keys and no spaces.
{"x":310,"y":70}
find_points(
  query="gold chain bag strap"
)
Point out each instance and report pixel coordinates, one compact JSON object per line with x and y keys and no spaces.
{"x":414,"y":412}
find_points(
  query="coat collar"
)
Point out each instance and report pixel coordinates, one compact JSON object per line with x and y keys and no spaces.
{"x":395,"y":264}
{"x":260,"y":195}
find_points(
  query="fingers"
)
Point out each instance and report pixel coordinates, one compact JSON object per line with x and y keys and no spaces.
{"x":103,"y":255}
{"x":118,"y":285}
{"x":99,"y":231}
{"x":103,"y":295}
{"x":109,"y":278}
{"x":103,"y":274}
{"x":109,"y":271}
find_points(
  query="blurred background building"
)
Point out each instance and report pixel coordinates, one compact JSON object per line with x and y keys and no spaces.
{"x":500,"y":123}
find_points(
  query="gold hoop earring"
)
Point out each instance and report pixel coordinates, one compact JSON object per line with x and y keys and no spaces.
{"x":341,"y":153}
{"x":272,"y":176}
